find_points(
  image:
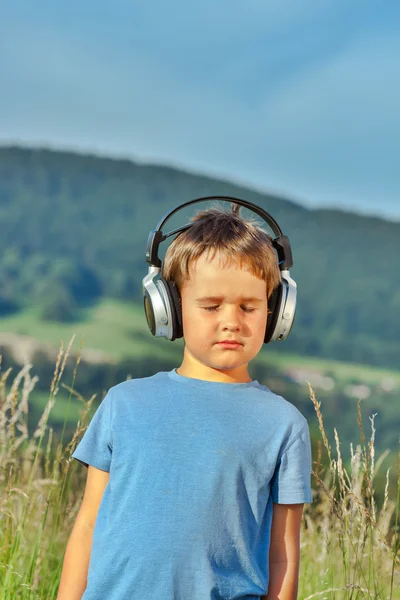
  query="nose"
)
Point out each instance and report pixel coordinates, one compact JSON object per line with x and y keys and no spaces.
{"x":231,"y":318}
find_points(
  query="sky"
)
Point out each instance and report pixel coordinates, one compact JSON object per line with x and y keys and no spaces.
{"x":297,"y":97}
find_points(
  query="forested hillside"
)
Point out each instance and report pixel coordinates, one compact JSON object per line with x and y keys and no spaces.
{"x":74,"y":229}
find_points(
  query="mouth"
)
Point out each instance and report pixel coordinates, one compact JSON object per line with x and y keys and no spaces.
{"x":231,"y":345}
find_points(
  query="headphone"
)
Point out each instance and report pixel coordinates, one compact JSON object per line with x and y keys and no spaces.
{"x":162,"y":302}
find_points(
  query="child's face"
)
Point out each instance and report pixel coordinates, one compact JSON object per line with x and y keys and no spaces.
{"x":233,"y":318}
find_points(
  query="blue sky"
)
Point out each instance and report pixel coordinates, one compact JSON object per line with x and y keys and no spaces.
{"x":299,"y":97}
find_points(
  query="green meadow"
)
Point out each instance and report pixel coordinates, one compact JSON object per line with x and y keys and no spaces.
{"x":119,"y":330}
{"x":113,"y":332}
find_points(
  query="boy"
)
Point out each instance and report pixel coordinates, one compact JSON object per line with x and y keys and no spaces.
{"x":197,"y":476}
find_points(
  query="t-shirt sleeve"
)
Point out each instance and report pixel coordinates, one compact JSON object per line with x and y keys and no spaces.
{"x":95,"y":447}
{"x":291,"y":482}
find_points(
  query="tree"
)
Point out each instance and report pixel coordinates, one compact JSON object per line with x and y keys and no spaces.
{"x":57,"y":304}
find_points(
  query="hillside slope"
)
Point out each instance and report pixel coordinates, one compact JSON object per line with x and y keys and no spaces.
{"x":74,"y":229}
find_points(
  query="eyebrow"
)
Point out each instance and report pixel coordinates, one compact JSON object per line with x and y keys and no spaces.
{"x":219,"y":298}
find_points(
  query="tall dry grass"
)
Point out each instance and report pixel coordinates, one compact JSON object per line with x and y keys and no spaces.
{"x":40,"y":493}
{"x":350,"y":547}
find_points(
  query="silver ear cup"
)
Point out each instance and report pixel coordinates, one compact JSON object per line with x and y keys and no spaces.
{"x":287,"y":309}
{"x":156,"y":305}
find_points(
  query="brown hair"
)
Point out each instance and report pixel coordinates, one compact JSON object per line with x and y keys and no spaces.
{"x":239,"y":240}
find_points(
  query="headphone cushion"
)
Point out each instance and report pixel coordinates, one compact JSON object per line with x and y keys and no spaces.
{"x":274,"y":305}
{"x":176,"y":308}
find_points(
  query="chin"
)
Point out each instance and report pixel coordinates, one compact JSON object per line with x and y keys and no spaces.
{"x":228,"y":366}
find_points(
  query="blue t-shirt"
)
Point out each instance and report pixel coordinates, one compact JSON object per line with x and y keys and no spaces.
{"x":195,"y":467}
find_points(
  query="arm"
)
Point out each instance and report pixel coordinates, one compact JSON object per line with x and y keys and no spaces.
{"x":284,"y":552}
{"x":73,"y":580}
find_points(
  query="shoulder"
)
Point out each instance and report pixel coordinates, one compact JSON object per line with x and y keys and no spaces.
{"x":284,"y":408}
{"x":136,"y":387}
{"x":125,"y":396}
{"x":138,"y":382}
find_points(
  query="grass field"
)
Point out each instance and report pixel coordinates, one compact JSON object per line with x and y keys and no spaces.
{"x":119,"y":330}
{"x":63,"y":410}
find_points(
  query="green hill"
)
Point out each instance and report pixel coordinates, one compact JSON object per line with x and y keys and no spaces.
{"x":74,"y":229}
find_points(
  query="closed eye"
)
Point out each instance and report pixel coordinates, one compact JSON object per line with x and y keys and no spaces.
{"x":214,"y":308}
